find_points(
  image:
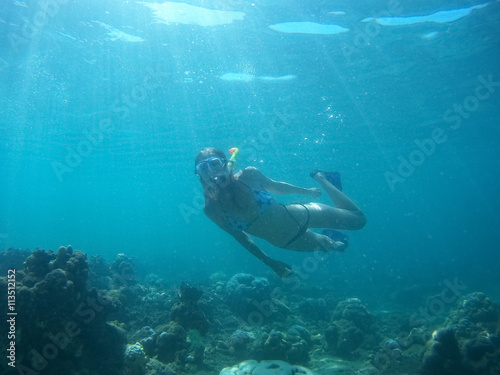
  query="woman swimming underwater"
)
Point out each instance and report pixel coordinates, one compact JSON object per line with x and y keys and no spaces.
{"x":241,"y":204}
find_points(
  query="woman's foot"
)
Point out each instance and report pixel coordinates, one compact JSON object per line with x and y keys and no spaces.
{"x":328,"y":245}
{"x":332,"y":177}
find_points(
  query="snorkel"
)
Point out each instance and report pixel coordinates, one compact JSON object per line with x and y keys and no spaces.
{"x":222,"y":179}
{"x":234,"y":154}
{"x":214,"y":170}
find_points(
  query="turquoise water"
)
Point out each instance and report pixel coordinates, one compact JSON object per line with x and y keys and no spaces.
{"x":104,"y":107}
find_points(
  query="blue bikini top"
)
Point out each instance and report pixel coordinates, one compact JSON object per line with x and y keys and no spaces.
{"x":263,"y":199}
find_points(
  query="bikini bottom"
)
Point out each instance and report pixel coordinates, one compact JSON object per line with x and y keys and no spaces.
{"x":302,"y":228}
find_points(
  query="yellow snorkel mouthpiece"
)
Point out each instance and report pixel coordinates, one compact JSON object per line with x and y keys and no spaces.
{"x":234,"y":153}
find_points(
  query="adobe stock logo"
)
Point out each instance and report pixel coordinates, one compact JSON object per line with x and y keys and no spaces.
{"x":454,"y":116}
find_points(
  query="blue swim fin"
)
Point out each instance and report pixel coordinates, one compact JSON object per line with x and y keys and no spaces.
{"x":336,"y":235}
{"x":331,"y":177}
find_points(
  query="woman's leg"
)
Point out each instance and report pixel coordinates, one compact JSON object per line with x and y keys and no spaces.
{"x":312,"y":241}
{"x":346,"y":215}
{"x":309,"y":240}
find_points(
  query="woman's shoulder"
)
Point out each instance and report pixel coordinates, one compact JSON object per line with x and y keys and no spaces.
{"x":252,"y":177}
{"x":249,"y":173}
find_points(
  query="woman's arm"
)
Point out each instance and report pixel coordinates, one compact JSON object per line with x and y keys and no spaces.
{"x":253,"y":176}
{"x":280,"y":268}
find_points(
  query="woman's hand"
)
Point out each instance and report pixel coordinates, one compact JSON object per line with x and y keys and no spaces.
{"x":280,"y":268}
{"x":283,"y":270}
{"x":314,"y":192}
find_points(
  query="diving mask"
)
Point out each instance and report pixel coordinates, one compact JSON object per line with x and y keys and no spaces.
{"x":211,"y":167}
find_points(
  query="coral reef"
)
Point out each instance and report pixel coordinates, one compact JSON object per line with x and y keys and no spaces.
{"x":343,"y":338}
{"x":239,"y":342}
{"x":188,"y":312}
{"x":247,"y":294}
{"x":351,"y":323}
{"x":135,"y":360}
{"x":63,"y":325}
{"x":293,"y":346}
{"x":443,"y":355}
{"x":354,"y":311}
{"x":468,"y":342}
{"x":12,"y":259}
{"x":314,"y":309}
{"x":100,"y":276}
{"x":123,"y":270}
{"x":265,"y":368}
{"x":170,"y":341}
{"x":416,"y":336}
{"x":89,"y":317}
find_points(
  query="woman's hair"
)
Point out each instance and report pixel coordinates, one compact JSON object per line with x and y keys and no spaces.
{"x":211,"y":191}
{"x":209,"y":152}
